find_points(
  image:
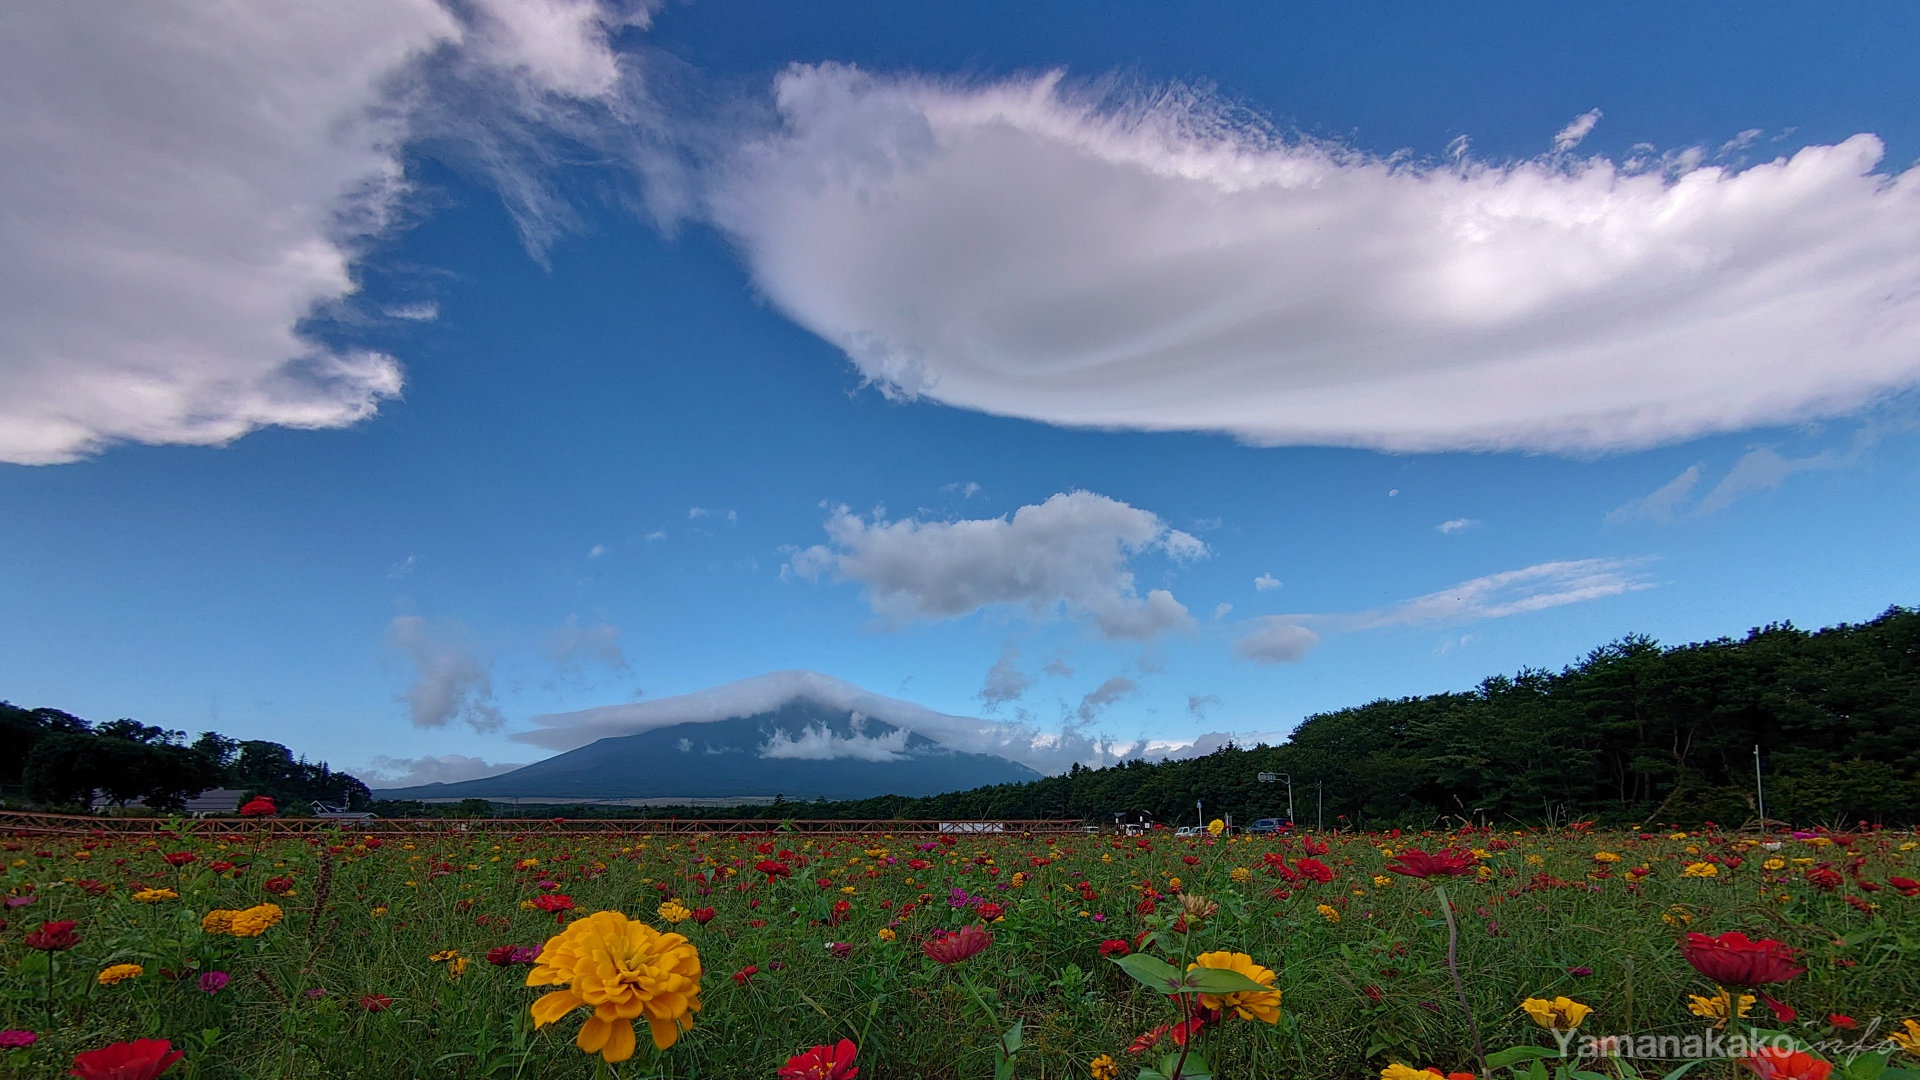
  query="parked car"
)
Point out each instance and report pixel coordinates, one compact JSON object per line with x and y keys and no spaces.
{"x":1188,"y":830}
{"x":1267,"y":825}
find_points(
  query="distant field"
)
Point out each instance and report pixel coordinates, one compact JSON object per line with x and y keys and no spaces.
{"x":391,"y":957}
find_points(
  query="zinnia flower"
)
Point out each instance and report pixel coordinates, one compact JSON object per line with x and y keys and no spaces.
{"x":1246,"y":1004}
{"x":375,"y":1002}
{"x":256,"y":920}
{"x":259,"y":806}
{"x":1416,"y":863}
{"x":1721,"y":1008}
{"x":16,"y":1039}
{"x":822,"y":1063}
{"x":141,"y":1059}
{"x":624,"y":969}
{"x":53,"y":937}
{"x":1908,"y":1038}
{"x":1732,"y":960}
{"x":1777,"y":1063}
{"x":213,"y":982}
{"x":1104,"y":1068}
{"x":155,"y":896}
{"x":1559,"y":1014}
{"x":951,"y":948}
{"x":120,"y":973}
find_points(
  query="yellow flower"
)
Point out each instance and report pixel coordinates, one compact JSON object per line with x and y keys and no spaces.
{"x":218,"y":921}
{"x":674,"y":911}
{"x":887,"y":934}
{"x":1907,"y":1039}
{"x":1560,"y":1014}
{"x":1775,"y":863}
{"x":1240,"y":875}
{"x":1382,"y":881}
{"x":1173,"y":883}
{"x":444,"y":956}
{"x":1700,"y":869}
{"x":457,"y":967}
{"x":256,"y":920}
{"x":1397,"y":1071}
{"x":120,"y":973}
{"x":155,"y":896}
{"x":1104,"y":1067}
{"x":1721,"y":1007}
{"x":1677,"y":916}
{"x":1328,"y":912}
{"x":846,"y":889}
{"x":1246,"y":1004}
{"x":1605,"y":856}
{"x":1216,"y":827}
{"x":1535,"y":860}
{"x":624,"y":969}
{"x":1018,"y":879}
{"x":378,"y":911}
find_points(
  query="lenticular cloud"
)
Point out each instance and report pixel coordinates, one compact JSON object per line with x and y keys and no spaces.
{"x":1168,"y":266}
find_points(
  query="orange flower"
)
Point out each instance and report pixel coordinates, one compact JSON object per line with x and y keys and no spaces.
{"x":625,"y":970}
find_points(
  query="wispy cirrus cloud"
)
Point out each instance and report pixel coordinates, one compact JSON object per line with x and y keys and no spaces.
{"x":1286,"y":638}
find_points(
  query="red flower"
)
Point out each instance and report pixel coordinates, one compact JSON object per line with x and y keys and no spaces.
{"x":745,"y":974}
{"x":375,"y":1002}
{"x":1416,"y":863}
{"x":141,"y":1059}
{"x":1843,"y":1022}
{"x":179,"y":858}
{"x":773,"y":869}
{"x":1776,"y":1063}
{"x":53,"y":937}
{"x":703,"y":915}
{"x":822,"y":1063}
{"x":553,"y":903}
{"x":1906,"y":885}
{"x":278,"y":886}
{"x":1114,"y":947}
{"x":259,"y":806}
{"x":1825,"y":878}
{"x":1314,"y":869}
{"x":1733,"y":960}
{"x":989,"y":912}
{"x":955,"y":947}
{"x":1190,"y":860}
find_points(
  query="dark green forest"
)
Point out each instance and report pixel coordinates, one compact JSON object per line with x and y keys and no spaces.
{"x":1633,"y":732}
{"x":57,"y":760}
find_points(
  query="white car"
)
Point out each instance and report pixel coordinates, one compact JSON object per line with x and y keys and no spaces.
{"x":1188,"y":830}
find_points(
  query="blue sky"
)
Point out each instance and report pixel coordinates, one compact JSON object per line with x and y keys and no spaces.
{"x":380,"y":377}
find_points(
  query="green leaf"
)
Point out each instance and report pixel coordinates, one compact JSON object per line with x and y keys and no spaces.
{"x":1012,"y":1039}
{"x":1161,"y":976}
{"x":1517,"y":1054}
{"x":1194,"y":1068}
{"x":1221,"y":981}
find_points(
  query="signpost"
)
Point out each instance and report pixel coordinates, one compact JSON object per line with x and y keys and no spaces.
{"x":1268,"y":778}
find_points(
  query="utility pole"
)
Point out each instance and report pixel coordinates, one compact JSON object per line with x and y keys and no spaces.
{"x":1759,"y":788}
{"x":1268,"y":778}
{"x":1320,"y":809}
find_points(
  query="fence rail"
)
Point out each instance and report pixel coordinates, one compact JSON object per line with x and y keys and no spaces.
{"x":20,"y":823}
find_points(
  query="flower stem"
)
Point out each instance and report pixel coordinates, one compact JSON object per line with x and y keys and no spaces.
{"x":1453,"y":968}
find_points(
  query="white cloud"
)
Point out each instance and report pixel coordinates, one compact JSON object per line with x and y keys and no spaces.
{"x":698,"y":512}
{"x":596,"y":551}
{"x":1162,"y":264}
{"x":452,"y":681}
{"x":1198,"y":704}
{"x":819,"y":743}
{"x":1069,"y":553}
{"x":1454,"y":525}
{"x":966,"y":490}
{"x":1662,"y":504}
{"x":657,"y":534}
{"x":1005,"y":681}
{"x":394,"y":772}
{"x":186,"y":183}
{"x":1763,"y":469}
{"x":1271,"y":639}
{"x":1221,"y":610}
{"x":572,"y":645}
{"x":1286,"y":638}
{"x":1096,"y":700}
{"x":1265,"y":582}
{"x":1571,"y":135}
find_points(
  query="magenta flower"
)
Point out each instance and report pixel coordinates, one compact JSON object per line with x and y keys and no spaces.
{"x":213,"y":982}
{"x":15,"y":1039}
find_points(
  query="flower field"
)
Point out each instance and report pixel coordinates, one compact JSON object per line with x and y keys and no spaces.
{"x":560,"y":954}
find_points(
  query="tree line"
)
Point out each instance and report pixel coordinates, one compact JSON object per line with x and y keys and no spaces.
{"x":1633,"y":732}
{"x":56,"y":759}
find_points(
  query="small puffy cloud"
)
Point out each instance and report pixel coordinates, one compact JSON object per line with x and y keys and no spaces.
{"x":1454,"y":525}
{"x":1265,"y":582}
{"x":452,"y":680}
{"x":657,"y":534}
{"x":1273,"y":640}
{"x":1096,"y":700}
{"x":965,"y":489}
{"x":1005,"y":681}
{"x":1162,"y":262}
{"x":572,"y":645}
{"x":1572,"y":135}
{"x":1198,"y":704}
{"x":1071,"y":553}
{"x":1222,"y":610}
{"x":1058,"y":667}
{"x":596,"y":551}
{"x":396,"y":772}
{"x":697,"y":513}
{"x":820,"y":743}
